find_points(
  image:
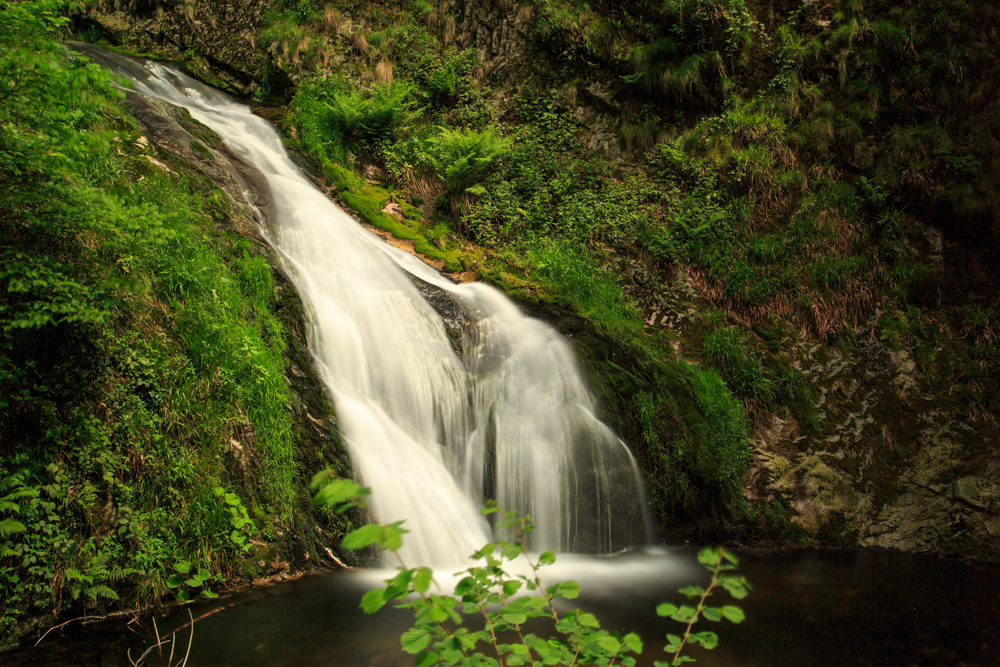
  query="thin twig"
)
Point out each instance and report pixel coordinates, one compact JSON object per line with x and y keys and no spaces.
{"x":190,"y":638}
{"x":701,"y":605}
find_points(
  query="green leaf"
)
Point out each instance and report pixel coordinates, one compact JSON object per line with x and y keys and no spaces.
{"x":416,"y":640}
{"x":207,"y":593}
{"x":735,"y":587}
{"x":665,"y":609}
{"x":709,"y":556}
{"x":515,"y":618}
{"x":609,"y":644}
{"x":182,"y":567}
{"x":568,"y":589}
{"x":362,"y":537}
{"x":537,"y":602}
{"x":547,"y":558}
{"x":730,"y":557}
{"x":519,"y":649}
{"x":691,"y":592}
{"x":422,"y":579}
{"x":733,"y":613}
{"x":707,"y":639}
{"x":426,"y":659}
{"x":174,"y":581}
{"x":512,"y":551}
{"x":712,"y":613}
{"x":336,"y":492}
{"x":392,"y":536}
{"x":373,"y":600}
{"x":588,"y":621}
{"x":466,"y":585}
{"x":633,"y":642}
{"x":511,"y":587}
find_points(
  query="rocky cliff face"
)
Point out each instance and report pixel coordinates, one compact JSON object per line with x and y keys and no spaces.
{"x":216,"y":40}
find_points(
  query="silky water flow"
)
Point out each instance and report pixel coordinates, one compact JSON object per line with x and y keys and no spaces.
{"x":435,"y":425}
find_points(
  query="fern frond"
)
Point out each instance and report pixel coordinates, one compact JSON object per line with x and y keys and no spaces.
{"x":10,"y":526}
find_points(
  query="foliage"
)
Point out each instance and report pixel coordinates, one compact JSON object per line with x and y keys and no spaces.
{"x":489,"y":591}
{"x":122,"y":301}
{"x":461,"y":158}
{"x":745,"y":375}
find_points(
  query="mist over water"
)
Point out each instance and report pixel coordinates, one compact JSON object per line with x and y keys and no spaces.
{"x":435,"y":429}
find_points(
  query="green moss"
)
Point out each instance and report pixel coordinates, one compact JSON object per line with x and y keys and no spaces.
{"x":368,"y":202}
{"x":198,"y":129}
{"x":201,"y":150}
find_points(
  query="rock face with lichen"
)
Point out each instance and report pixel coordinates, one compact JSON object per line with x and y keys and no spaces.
{"x":896,"y":465}
{"x":215,"y":39}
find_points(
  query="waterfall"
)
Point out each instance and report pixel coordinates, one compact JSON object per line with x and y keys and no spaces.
{"x":435,"y":431}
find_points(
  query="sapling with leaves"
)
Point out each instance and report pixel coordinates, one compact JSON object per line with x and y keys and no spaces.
{"x":722,"y":565}
{"x":504,"y":602}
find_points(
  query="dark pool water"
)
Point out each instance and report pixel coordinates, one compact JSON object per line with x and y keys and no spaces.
{"x":808,"y":608}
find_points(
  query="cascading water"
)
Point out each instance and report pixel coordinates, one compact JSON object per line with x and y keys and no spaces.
{"x":433,"y":432}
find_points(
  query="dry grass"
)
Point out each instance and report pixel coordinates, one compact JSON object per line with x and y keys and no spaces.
{"x":383,"y":72}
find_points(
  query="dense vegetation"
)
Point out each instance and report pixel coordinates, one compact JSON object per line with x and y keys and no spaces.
{"x":140,"y":353}
{"x":695,"y":190}
{"x":776,"y":163}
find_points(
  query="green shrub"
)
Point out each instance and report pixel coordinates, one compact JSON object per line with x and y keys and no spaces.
{"x":727,"y":348}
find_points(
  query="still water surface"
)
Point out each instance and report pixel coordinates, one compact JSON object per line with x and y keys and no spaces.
{"x":812,"y":608}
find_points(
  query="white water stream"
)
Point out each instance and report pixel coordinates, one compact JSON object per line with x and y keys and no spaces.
{"x":433,"y":432}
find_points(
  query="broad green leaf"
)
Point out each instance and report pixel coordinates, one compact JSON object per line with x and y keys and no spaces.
{"x":633,"y":642}
{"x":730,"y":557}
{"x":519,"y":649}
{"x":691,"y":592}
{"x":588,"y":621}
{"x":207,"y":593}
{"x":182,"y":567}
{"x":537,"y":602}
{"x":547,"y":558}
{"x":568,"y":589}
{"x":512,"y":551}
{"x":684,"y":614}
{"x":426,"y":659}
{"x":665,"y":609}
{"x":736,"y":588}
{"x":437,"y":614}
{"x":712,"y":613}
{"x":707,"y":639}
{"x":422,"y":579}
{"x":373,"y":600}
{"x":175,"y":580}
{"x":514,"y":618}
{"x":733,"y":613}
{"x":709,"y":556}
{"x":362,"y":537}
{"x":609,"y":644}
{"x":336,"y":492}
{"x":392,"y":536}
{"x":682,"y":659}
{"x":466,"y":585}
{"x":416,"y":640}
{"x":511,"y":587}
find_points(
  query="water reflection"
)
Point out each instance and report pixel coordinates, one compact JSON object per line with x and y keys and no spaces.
{"x":808,"y":608}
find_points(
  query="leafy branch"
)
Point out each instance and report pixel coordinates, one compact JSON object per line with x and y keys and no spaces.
{"x":507,"y":602}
